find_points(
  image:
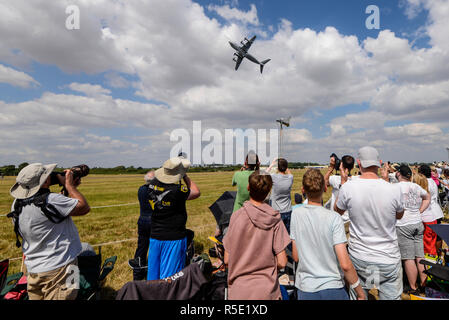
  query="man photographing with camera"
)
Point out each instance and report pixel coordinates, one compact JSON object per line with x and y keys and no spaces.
{"x":345,"y":166}
{"x":50,"y":239}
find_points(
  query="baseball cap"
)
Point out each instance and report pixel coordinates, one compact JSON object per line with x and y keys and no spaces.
{"x":369,"y":157}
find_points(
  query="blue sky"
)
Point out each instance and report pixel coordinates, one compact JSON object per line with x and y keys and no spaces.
{"x":136,"y":71}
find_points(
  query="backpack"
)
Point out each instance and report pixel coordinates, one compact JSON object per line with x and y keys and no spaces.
{"x":40,"y":200}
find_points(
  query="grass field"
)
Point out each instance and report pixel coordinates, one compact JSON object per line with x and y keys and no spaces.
{"x":108,"y":225}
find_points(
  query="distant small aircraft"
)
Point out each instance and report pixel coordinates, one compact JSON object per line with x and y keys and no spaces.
{"x":242,"y":52}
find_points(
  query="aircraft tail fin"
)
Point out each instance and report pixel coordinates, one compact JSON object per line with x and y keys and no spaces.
{"x":263,"y":63}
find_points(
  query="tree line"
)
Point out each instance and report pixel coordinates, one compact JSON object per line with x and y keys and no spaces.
{"x":13,"y":170}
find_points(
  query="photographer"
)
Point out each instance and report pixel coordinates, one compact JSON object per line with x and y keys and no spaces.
{"x":345,"y":165}
{"x":50,"y":239}
{"x":168,"y":235}
{"x":240,"y":179}
{"x":280,"y":198}
{"x":139,"y":262}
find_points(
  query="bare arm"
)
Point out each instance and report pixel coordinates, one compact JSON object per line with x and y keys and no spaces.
{"x":348,"y":269}
{"x":281,"y":259}
{"x":425,"y":203}
{"x":384,"y":170}
{"x":82,"y":207}
{"x":194,"y":190}
{"x":337,"y":209}
{"x":226,"y":258}
{"x":329,"y":171}
{"x":295,"y":251}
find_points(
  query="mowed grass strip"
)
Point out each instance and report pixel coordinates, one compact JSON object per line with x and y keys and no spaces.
{"x":118,"y":223}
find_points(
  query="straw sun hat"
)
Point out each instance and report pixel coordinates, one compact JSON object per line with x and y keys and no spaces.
{"x":173,"y":170}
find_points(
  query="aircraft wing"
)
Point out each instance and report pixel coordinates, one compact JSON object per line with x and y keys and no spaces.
{"x":238,"y":62}
{"x":248,"y":44}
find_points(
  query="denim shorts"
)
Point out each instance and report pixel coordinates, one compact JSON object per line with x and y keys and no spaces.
{"x":326,"y":294}
{"x":410,"y":240}
{"x":386,"y":278}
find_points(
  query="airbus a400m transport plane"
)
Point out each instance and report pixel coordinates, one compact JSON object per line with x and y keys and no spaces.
{"x":242,"y":52}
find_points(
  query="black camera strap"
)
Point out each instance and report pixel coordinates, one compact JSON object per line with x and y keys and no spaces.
{"x":40,"y":200}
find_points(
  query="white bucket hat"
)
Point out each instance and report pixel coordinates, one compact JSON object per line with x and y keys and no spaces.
{"x":30,"y":179}
{"x":173,"y":170}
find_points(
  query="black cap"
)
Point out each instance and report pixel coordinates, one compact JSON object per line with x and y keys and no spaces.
{"x":405,"y":171}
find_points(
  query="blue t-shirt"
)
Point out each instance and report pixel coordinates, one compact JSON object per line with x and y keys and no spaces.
{"x":316,"y":231}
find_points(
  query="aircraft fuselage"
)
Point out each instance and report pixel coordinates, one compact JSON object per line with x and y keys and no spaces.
{"x":243,"y":53}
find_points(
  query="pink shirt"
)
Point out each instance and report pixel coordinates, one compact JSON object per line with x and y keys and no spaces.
{"x":254,"y":238}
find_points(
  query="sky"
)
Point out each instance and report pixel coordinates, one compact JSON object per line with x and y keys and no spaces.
{"x":114,"y":90}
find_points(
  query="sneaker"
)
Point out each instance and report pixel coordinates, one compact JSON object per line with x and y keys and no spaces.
{"x":414,"y":292}
{"x":136,"y":263}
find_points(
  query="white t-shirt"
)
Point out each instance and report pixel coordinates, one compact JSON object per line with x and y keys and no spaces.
{"x":372,"y":205}
{"x":335,"y":183}
{"x":412,"y":195}
{"x":46,"y":245}
{"x":434,"y":209}
{"x":392,"y":178}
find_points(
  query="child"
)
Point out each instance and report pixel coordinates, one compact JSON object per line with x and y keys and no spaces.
{"x":255,"y":246}
{"x":319,"y":247}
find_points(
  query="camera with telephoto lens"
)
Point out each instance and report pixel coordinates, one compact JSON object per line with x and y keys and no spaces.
{"x":337,"y":161}
{"x":79,"y":172}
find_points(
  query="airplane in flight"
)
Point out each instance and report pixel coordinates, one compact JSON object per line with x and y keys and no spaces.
{"x":242,"y":52}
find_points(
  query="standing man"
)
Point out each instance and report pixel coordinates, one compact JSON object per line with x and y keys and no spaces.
{"x":346,"y":166}
{"x":168,"y":239}
{"x":280,"y":198}
{"x":139,"y":263}
{"x":373,"y":206}
{"x":50,"y":239}
{"x":240,"y":179}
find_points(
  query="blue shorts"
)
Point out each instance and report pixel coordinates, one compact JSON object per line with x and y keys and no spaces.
{"x":166,"y":257}
{"x":326,"y":294}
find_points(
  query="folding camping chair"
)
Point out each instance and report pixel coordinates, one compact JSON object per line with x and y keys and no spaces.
{"x":4,"y":265}
{"x":93,"y":274}
{"x":438,"y":274}
{"x":92,"y":277}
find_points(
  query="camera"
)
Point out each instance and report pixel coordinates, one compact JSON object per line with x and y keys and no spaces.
{"x":337,"y":161}
{"x":79,"y":172}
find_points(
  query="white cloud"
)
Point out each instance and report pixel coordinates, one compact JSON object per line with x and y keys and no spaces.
{"x":181,"y":57}
{"x":234,"y":14}
{"x":16,"y":78}
{"x":89,"y":89}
